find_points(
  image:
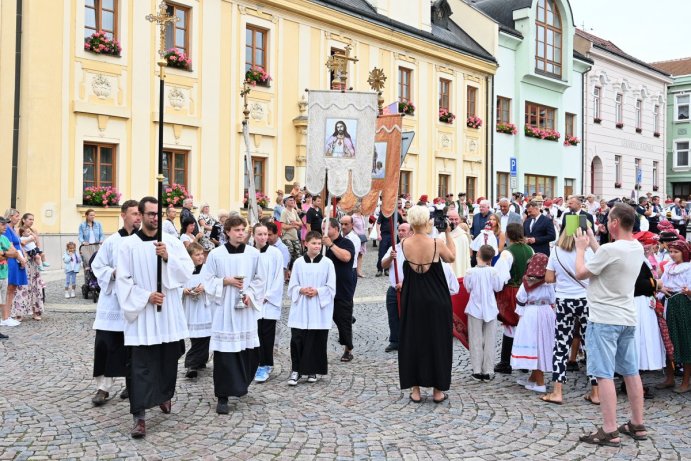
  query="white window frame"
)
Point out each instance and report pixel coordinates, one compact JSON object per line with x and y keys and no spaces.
{"x":676,"y":153}
{"x":639,"y":114}
{"x":655,"y":168}
{"x":656,"y":118}
{"x":617,"y":168}
{"x":597,"y":97}
{"x":677,"y":106}
{"x":619,"y":108}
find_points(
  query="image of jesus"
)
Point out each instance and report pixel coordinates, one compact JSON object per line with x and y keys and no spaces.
{"x":339,"y":144}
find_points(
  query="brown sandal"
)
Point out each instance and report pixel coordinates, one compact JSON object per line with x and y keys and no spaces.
{"x":601,"y":438}
{"x":632,"y":430}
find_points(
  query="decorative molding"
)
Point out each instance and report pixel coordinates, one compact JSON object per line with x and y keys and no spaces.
{"x":473,"y":78}
{"x":176,"y":98}
{"x":257,"y":12}
{"x":338,"y":38}
{"x":256,"y":111}
{"x":445,"y":141}
{"x":404,"y":57}
{"x":444,"y":69}
{"x":101,"y":86}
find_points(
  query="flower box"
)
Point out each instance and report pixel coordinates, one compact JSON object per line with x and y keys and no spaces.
{"x":507,"y":128}
{"x":597,"y":120}
{"x":639,"y":130}
{"x":262,"y":200}
{"x":445,"y":116}
{"x":539,"y":133}
{"x":406,"y":107}
{"x":257,"y":76}
{"x":656,"y":188}
{"x":99,"y":43}
{"x":101,"y":196}
{"x":638,"y":187}
{"x":473,"y":122}
{"x":571,"y":141}
{"x":178,"y":59}
{"x":656,"y":134}
{"x":617,"y":185}
{"x":620,"y":125}
{"x":174,"y":194}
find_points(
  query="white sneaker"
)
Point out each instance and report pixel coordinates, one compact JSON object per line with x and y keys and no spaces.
{"x":312,"y":379}
{"x":10,"y":322}
{"x":72,"y":295}
{"x":294,"y":377}
{"x":522,"y":381}
{"x":67,"y":294}
{"x":531,"y":386}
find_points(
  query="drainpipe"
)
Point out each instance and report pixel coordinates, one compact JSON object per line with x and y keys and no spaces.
{"x":584,"y":163}
{"x":17,"y":80}
{"x":489,"y":137}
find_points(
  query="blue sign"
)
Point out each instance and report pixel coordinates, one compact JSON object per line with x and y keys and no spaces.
{"x":514,"y":166}
{"x":639,"y":176}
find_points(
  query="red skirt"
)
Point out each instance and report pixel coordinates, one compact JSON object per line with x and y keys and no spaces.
{"x":506,"y":302}
{"x":460,"y":319}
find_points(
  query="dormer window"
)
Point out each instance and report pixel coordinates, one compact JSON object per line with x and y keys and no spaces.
{"x":548,"y":39}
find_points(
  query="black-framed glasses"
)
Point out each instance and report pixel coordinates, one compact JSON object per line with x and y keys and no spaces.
{"x":151,"y":214}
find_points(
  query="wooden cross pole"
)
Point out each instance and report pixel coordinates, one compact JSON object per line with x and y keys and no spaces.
{"x":162,"y":19}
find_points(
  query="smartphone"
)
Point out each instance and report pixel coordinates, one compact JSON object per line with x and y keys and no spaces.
{"x":583,"y":222}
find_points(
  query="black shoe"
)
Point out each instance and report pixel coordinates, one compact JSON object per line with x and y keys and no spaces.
{"x":191,"y":374}
{"x":487,"y":377}
{"x":572,"y":366}
{"x":222,"y":407}
{"x":125,"y":394}
{"x":386,"y":272}
{"x":391,"y":348}
{"x":477,"y":377}
{"x":648,"y":393}
{"x":378,"y":274}
{"x":4,"y":336}
{"x":100,"y":398}
{"x":354,"y":319}
{"x":503,"y":368}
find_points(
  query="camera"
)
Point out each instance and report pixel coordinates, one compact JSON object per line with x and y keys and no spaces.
{"x":441,"y":220}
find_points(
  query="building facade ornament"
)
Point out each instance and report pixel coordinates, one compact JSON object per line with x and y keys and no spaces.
{"x":101,"y":86}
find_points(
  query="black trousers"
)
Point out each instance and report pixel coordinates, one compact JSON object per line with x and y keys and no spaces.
{"x":343,"y":318}
{"x":266,"y":328}
{"x":392,"y":313}
{"x":198,"y":354}
{"x":384,"y":245}
{"x":308,"y":351}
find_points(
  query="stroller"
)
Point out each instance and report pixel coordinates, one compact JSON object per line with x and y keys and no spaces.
{"x":88,"y":253}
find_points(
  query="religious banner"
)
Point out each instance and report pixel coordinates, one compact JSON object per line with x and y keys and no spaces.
{"x":386,"y":168}
{"x":340,"y":141}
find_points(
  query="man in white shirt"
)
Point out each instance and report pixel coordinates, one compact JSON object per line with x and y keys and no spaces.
{"x":347,"y":232}
{"x":612,"y":321}
{"x":506,"y":215}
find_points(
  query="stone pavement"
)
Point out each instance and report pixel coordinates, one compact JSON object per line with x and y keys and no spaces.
{"x":356,"y":412}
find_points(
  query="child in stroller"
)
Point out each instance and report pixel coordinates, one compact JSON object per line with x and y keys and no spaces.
{"x":88,"y":253}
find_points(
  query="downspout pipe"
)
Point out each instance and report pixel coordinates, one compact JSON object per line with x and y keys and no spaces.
{"x":584,"y":162}
{"x":17,"y":92}
{"x":489,"y":159}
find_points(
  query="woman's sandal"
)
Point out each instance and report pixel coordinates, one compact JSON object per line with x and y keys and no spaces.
{"x":589,"y":398}
{"x":632,"y":430}
{"x":601,"y":438}
{"x":446,"y":396}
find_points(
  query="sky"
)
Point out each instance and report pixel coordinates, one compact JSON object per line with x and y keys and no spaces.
{"x":648,"y":30}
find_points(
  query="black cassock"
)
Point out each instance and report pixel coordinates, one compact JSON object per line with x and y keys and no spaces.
{"x":154,"y":374}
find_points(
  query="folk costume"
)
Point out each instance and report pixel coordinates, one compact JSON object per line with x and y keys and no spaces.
{"x":234,"y":338}
{"x":156,"y":337}
{"x":310,"y":318}
{"x":678,"y":305}
{"x":111,"y":356}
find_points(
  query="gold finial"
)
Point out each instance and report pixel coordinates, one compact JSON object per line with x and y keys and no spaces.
{"x":245,"y":91}
{"x":338,"y":64}
{"x":162,"y":19}
{"x":376,"y":82}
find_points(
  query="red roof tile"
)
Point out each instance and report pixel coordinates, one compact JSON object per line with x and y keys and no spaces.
{"x":675,"y":66}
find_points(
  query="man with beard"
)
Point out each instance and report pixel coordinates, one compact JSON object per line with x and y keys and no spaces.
{"x":156,"y":337}
{"x":110,"y":354}
{"x":339,"y":144}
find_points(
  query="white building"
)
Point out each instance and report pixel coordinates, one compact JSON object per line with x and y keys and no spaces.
{"x":624,"y":121}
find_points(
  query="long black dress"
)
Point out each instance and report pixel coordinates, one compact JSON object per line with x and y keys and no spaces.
{"x":425,"y":350}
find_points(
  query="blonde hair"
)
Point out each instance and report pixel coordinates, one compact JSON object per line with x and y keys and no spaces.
{"x":566,"y":242}
{"x":418,"y":216}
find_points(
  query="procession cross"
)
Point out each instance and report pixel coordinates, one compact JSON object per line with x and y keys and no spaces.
{"x":338,"y":64}
{"x":162,"y":19}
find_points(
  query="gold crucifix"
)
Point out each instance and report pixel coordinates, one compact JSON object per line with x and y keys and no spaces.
{"x":162,"y":19}
{"x":338,"y":64}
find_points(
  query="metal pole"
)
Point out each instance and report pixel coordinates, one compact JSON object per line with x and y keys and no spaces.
{"x":159,"y":180}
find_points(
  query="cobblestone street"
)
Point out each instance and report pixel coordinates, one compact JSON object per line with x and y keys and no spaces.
{"x":356,"y":412}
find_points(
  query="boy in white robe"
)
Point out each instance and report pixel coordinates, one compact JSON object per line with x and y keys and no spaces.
{"x":270,"y":299}
{"x":198,"y":314}
{"x":156,"y":336}
{"x":312,"y":289}
{"x":231,"y":271}
{"x":110,"y":354}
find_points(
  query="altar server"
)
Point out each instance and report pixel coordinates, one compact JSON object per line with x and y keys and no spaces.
{"x":198,"y":313}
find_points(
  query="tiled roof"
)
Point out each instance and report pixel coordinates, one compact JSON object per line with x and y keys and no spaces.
{"x":502,"y":11}
{"x":610,"y":47}
{"x":454,"y":37}
{"x":675,"y":67}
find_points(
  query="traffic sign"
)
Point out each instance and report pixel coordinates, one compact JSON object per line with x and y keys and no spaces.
{"x":514,"y":166}
{"x":639,"y":176}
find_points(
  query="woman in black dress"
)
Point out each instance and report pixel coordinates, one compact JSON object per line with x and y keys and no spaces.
{"x":426,"y":338}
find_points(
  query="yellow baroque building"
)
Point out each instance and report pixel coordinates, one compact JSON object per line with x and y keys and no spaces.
{"x":73,"y":118}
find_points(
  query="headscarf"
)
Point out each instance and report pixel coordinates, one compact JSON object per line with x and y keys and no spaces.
{"x":682,"y":247}
{"x":665,"y":226}
{"x":646,"y":238}
{"x":535,"y":272}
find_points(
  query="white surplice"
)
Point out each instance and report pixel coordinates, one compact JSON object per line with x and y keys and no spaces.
{"x":271,"y":271}
{"x":109,"y":316}
{"x":314,"y":313}
{"x":233,"y":329}
{"x":136,"y":280}
{"x":461,"y":241}
{"x":482,"y":282}
{"x":198,"y":311}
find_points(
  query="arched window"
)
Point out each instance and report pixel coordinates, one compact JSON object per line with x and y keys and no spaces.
{"x":548,"y":39}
